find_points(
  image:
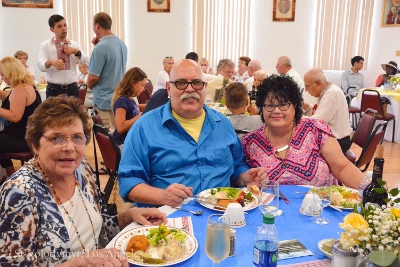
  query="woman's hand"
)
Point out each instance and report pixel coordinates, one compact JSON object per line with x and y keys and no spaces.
{"x":99,"y":258}
{"x":144,"y":216}
{"x":254,"y":176}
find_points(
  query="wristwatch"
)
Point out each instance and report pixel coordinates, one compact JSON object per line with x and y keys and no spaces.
{"x":78,"y":54}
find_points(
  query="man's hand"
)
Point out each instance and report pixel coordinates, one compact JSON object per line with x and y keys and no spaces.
{"x":70,"y":50}
{"x":95,"y":40}
{"x":57,"y":63}
{"x":174,"y":194}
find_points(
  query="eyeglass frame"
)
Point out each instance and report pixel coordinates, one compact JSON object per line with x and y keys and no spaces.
{"x":306,"y":86}
{"x":191,"y":84}
{"x":66,"y":139}
{"x":276,"y":106}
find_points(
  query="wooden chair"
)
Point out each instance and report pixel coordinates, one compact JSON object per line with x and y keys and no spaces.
{"x":111,"y":156}
{"x":372,"y":99}
{"x":147,"y":93}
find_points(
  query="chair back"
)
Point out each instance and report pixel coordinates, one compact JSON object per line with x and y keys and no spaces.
{"x":369,"y":150}
{"x":96,"y":118}
{"x":82,"y":93}
{"x":111,"y":155}
{"x":147,"y":93}
{"x":364,"y":128}
{"x":348,"y":96}
{"x":372,"y":99}
{"x":240,"y":133}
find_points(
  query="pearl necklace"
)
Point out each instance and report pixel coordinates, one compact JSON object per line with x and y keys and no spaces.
{"x":285,"y":147}
{"x":58,"y":201}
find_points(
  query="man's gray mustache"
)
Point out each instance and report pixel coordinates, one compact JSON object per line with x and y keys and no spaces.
{"x":190,"y":95}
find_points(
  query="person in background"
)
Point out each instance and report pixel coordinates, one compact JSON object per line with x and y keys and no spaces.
{"x":391,"y":69}
{"x":237,"y":101}
{"x":331,"y":106}
{"x":353,"y":77}
{"x":292,"y":149}
{"x":61,"y":219}
{"x":205,"y":66}
{"x":23,"y":57}
{"x":82,"y":79}
{"x":163,"y":76}
{"x":126,"y":111}
{"x":107,"y":66}
{"x":17,"y":105}
{"x":284,"y":67}
{"x":182,"y":147}
{"x":217,"y":83}
{"x":193,"y":56}
{"x":259,"y":77}
{"x":58,"y":58}
{"x":242,"y":73}
{"x":254,"y":65}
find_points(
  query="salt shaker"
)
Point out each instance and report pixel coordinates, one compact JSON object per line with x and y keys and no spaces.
{"x":343,"y":257}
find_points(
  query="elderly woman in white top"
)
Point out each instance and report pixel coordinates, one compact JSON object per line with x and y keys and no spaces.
{"x":82,"y":78}
{"x":163,"y":76}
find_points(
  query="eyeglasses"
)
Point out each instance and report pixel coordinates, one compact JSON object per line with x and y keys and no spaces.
{"x":306,"y":86}
{"x":281,"y":106}
{"x":61,"y":140}
{"x":196,"y":84}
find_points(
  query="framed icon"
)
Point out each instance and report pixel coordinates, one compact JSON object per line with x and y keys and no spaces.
{"x":391,"y":13}
{"x":28,"y":4}
{"x":158,"y":5}
{"x":283,"y":10}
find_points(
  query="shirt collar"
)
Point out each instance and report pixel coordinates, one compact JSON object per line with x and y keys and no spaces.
{"x":54,"y":41}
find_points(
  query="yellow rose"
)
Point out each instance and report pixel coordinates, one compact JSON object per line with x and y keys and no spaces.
{"x":355,"y":220}
{"x":395,"y":211}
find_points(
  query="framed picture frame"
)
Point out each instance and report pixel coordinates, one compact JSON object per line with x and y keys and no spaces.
{"x":158,"y":6}
{"x":391,"y":13}
{"x":28,"y":4}
{"x":283,"y":10}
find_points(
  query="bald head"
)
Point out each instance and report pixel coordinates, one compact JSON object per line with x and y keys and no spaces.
{"x":315,"y":81}
{"x":184,"y":66}
{"x":253,"y":66}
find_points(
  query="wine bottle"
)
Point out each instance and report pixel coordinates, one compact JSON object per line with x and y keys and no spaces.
{"x":369,"y":194}
{"x":252,"y":95}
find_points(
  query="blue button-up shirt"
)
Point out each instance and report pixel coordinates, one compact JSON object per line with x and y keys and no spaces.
{"x":159,"y":152}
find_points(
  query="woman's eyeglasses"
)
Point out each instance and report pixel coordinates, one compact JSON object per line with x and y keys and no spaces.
{"x":61,"y":140}
{"x":183,"y":84}
{"x":281,"y":106}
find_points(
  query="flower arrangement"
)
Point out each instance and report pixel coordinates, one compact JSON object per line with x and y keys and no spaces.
{"x":395,"y":79}
{"x":374,"y":231}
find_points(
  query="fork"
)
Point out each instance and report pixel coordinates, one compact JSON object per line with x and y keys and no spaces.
{"x":199,"y":212}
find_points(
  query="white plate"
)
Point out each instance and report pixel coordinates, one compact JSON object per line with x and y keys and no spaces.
{"x":348,"y":189}
{"x":123,"y":238}
{"x":329,"y":255}
{"x":248,"y":205}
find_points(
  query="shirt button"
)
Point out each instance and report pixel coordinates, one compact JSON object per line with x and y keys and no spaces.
{"x":199,"y":162}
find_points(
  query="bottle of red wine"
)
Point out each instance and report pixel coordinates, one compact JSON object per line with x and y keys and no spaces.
{"x":369,"y":194}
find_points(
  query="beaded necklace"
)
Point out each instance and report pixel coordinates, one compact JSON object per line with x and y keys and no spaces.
{"x":58,"y":201}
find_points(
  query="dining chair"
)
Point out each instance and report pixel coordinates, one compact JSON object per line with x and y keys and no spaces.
{"x":111,"y":154}
{"x":147,"y":93}
{"x":21,"y":156}
{"x":353,"y":111}
{"x":82,"y":93}
{"x":369,"y":149}
{"x":240,"y":133}
{"x":372,"y":99}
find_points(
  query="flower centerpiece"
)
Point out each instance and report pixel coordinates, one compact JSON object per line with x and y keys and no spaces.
{"x":374,"y":231}
{"x":395,"y":81}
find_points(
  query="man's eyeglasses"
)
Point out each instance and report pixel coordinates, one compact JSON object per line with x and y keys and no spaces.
{"x":306,"y":86}
{"x":183,"y":84}
{"x":61,"y":140}
{"x":281,"y":106}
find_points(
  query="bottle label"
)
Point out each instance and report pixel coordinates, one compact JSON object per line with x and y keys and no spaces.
{"x":265,"y":254}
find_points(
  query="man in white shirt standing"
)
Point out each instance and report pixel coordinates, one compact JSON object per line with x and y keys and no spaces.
{"x":353,"y":77}
{"x":58,"y":57}
{"x":331,"y":106}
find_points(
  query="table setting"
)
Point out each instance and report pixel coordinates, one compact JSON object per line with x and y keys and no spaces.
{"x":291,"y":225}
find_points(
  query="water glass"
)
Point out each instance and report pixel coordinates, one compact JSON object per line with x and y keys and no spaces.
{"x":323,"y":198}
{"x":218,"y":238}
{"x":269,"y":198}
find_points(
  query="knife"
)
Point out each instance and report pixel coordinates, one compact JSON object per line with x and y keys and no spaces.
{"x":284,"y":198}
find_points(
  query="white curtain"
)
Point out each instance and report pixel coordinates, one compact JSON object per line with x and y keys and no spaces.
{"x":221,"y":29}
{"x":79,"y":15}
{"x":343,"y":29}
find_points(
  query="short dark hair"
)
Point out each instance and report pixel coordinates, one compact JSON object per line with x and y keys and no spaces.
{"x":236,"y":95}
{"x":104,"y":20}
{"x":356,"y":59}
{"x":192,"y":56}
{"x":282,"y":88}
{"x":54,"y":19}
{"x":245,"y":59}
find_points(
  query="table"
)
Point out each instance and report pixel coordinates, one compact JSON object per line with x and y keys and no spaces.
{"x":290,"y":225}
{"x":394,"y":108}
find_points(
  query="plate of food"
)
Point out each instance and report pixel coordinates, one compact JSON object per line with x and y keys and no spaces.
{"x":325,"y":245}
{"x":247,"y":197}
{"x":342,"y":197}
{"x":156,"y":245}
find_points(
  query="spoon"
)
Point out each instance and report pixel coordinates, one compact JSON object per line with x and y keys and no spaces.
{"x":199,"y":212}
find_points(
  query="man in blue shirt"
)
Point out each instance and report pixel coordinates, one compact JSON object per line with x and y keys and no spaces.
{"x":106,"y":68}
{"x":353,"y":77}
{"x":182,"y":147}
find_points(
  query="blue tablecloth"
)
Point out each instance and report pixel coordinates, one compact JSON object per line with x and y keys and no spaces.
{"x":290,"y":225}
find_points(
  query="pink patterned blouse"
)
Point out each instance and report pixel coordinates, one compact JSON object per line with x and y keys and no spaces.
{"x":304,"y":163}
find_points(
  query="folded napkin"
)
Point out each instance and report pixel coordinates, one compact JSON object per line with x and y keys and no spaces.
{"x":318,"y":263}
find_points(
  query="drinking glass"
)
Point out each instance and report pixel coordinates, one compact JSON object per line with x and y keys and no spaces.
{"x":269,"y":198}
{"x":322,"y":197}
{"x":217,"y":239}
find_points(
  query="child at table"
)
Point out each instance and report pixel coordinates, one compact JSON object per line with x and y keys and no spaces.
{"x":237,"y":102}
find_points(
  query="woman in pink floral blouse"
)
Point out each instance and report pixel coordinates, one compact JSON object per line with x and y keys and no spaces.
{"x":292,"y":149}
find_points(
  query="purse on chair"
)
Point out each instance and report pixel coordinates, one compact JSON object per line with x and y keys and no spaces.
{"x":111,"y":207}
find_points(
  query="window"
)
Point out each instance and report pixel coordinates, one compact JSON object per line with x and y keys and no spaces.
{"x":343,"y":29}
